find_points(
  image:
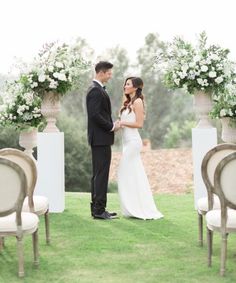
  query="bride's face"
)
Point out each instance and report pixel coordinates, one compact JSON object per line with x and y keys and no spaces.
{"x":129,"y":88}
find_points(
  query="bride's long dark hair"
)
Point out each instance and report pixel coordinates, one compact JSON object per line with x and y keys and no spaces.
{"x":137,"y":83}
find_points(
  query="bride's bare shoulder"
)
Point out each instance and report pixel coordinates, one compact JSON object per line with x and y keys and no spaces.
{"x":138,"y":103}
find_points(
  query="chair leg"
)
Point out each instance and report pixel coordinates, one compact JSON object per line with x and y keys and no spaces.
{"x":200,"y":230}
{"x":35,"y":248}
{"x":223,"y":253}
{"x":21,"y":272}
{"x":46,"y":218}
{"x":209,"y":245}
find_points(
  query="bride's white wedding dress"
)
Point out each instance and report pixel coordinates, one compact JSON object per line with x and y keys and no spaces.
{"x":134,"y":190}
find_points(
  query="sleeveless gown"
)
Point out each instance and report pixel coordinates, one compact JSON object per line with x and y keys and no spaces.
{"x":136,"y":198}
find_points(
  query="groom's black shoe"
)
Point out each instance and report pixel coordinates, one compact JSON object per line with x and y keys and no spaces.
{"x":105,"y":216}
{"x":112,"y":214}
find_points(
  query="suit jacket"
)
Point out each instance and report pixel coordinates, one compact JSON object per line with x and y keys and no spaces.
{"x":99,"y":116}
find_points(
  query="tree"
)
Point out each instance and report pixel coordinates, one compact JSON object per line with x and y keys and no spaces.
{"x":77,"y":154}
{"x":163,"y":106}
{"x":73,"y":103}
{"x":158,"y":98}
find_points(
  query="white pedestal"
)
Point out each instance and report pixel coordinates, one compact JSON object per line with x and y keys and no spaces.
{"x":51,"y":173}
{"x":203,"y":139}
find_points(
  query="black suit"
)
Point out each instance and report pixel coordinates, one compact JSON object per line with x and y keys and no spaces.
{"x":100,"y":138}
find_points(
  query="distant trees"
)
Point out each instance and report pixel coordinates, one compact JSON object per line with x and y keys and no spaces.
{"x":169,"y":115}
{"x":163,"y":107}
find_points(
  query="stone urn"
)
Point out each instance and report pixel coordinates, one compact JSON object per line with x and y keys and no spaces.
{"x":28,"y":140}
{"x":228,"y":133}
{"x":50,"y":109}
{"x":203,"y":104}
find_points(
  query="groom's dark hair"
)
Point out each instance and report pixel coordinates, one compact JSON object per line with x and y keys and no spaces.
{"x":103,"y":66}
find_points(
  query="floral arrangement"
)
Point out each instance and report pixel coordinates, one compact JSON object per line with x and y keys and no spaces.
{"x":57,"y":68}
{"x":20,"y":109}
{"x":225,"y":103}
{"x":201,"y":68}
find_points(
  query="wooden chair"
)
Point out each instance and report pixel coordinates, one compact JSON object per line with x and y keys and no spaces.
{"x":223,"y":220}
{"x":32,"y":203}
{"x":209,"y":163}
{"x":14,"y":222}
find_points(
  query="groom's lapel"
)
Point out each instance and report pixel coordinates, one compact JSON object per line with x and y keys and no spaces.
{"x":105,"y":94}
{"x":108,"y":99}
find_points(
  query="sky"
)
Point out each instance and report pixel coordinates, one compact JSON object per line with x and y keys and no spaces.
{"x":26,"y":25}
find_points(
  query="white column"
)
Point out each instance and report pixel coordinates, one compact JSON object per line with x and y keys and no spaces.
{"x":51,"y":173}
{"x":203,"y":139}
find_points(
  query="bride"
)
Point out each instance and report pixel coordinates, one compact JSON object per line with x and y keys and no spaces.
{"x":134,"y":190}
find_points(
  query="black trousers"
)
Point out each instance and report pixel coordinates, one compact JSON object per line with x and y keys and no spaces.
{"x":101,"y":160}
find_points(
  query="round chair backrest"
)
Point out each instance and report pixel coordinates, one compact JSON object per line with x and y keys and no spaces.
{"x":26,"y":163}
{"x":12,"y":187}
{"x":225,"y":179}
{"x":214,"y":160}
{"x":210,"y":161}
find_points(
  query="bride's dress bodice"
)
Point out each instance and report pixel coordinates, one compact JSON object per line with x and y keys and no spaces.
{"x":129,"y":133}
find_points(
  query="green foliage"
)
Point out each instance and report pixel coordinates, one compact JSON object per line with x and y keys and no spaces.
{"x":163,"y":107}
{"x":74,"y":102}
{"x":173,"y":135}
{"x":179,"y":134}
{"x":195,"y":68}
{"x":22,"y":112}
{"x":112,"y":187}
{"x":225,"y":103}
{"x":9,"y":137}
{"x":57,"y":68}
{"x":77,"y":155}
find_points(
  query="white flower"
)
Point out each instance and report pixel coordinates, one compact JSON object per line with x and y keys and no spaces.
{"x":61,"y":77}
{"x":219,"y":80}
{"x":200,"y":81}
{"x":215,"y":57}
{"x":184,"y":68}
{"x":212,"y":74}
{"x":196,"y":58}
{"x":34,"y":84}
{"x":56,"y":74}
{"x":50,"y":68}
{"x":59,"y":65}
{"x":192,"y":64}
{"x":182,"y":75}
{"x":222,"y":113}
{"x":204,"y":68}
{"x":177,"y":81}
{"x":42,"y":78}
{"x":53,"y":84}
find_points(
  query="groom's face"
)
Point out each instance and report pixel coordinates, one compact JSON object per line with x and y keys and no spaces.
{"x":106,"y":75}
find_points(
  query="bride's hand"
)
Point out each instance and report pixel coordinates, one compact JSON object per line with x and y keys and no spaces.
{"x":121,"y":124}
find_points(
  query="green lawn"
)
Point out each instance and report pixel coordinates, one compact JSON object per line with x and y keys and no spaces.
{"x":84,"y":250}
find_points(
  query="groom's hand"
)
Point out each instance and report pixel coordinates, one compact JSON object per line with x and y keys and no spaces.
{"x":117,"y":125}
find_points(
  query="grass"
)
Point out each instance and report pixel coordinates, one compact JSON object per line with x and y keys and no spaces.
{"x":124,"y":250}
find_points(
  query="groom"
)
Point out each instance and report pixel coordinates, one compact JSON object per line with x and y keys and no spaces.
{"x":100,"y":137}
